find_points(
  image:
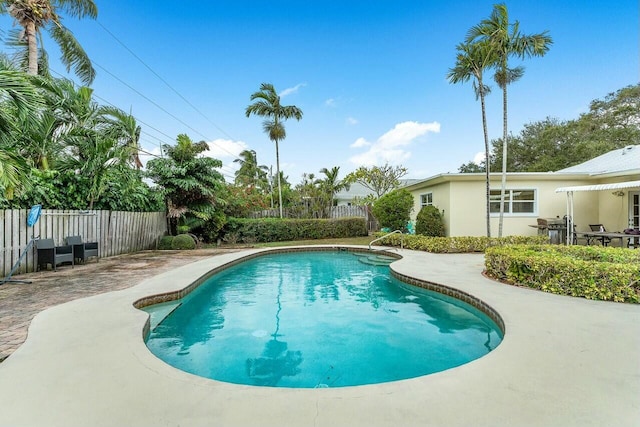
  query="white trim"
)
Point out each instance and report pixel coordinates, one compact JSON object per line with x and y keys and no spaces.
{"x":428,"y":203}
{"x":509,"y":202}
{"x":600,"y":187}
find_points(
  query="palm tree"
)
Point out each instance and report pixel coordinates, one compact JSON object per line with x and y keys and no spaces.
{"x":34,"y":15}
{"x":126,"y":130}
{"x":250,"y":173}
{"x":331,"y":184}
{"x":267,"y":105}
{"x":19,"y":104}
{"x":471,"y":61}
{"x":506,"y":41}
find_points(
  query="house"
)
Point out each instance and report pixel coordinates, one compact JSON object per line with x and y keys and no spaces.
{"x":604,"y":190}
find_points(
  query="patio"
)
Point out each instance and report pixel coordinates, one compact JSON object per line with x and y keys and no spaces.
{"x":563,"y":362}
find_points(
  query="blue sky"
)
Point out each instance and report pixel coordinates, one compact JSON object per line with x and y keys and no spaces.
{"x":370,"y":76}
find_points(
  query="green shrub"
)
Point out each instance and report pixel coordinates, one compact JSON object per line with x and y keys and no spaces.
{"x":183,"y":241}
{"x":457,"y":244}
{"x":393,"y":209}
{"x":277,"y":230}
{"x":165,"y":242}
{"x":429,"y":222}
{"x":610,"y":274}
{"x":211,"y":230}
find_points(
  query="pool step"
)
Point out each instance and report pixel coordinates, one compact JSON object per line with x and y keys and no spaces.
{"x":376,"y":260}
{"x":158,"y":312}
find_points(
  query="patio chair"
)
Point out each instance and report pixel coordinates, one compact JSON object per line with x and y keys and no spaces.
{"x":49,"y":253}
{"x":83,"y":250}
{"x":603,"y":239}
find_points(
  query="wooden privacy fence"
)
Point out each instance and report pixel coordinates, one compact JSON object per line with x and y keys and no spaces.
{"x":116,"y":232}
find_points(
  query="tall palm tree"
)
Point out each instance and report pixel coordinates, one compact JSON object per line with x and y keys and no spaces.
{"x":507,"y":41}
{"x":471,"y":62}
{"x":35,"y":15}
{"x":267,"y":105}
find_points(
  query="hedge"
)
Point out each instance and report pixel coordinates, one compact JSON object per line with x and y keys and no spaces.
{"x":457,"y":244}
{"x":277,"y":230}
{"x":183,"y":241}
{"x":609,"y":274}
{"x":165,"y":242}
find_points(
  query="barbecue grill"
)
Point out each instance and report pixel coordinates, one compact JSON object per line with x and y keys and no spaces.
{"x":555,"y":228}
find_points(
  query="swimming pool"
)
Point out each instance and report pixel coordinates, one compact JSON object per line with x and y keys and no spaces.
{"x":316,"y":319}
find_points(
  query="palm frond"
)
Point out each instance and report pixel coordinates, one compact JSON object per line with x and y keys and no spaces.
{"x":73,"y":55}
{"x":79,"y":8}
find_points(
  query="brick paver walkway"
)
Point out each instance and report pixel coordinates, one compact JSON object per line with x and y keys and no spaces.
{"x":20,"y":302}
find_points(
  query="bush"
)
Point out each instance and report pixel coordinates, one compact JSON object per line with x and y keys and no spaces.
{"x":457,"y":244}
{"x":183,"y":241}
{"x":165,"y":242}
{"x":429,"y":222}
{"x":610,"y":274}
{"x":277,"y":230}
{"x":393,"y":209}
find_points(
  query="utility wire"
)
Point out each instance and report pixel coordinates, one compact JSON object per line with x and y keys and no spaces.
{"x":140,"y":121}
{"x":163,"y":80}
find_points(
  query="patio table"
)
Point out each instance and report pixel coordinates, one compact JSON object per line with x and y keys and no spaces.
{"x":592,"y":236}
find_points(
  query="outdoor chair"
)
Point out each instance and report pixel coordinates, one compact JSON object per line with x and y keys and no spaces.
{"x":83,"y":250}
{"x":603,"y":239}
{"x":49,"y":253}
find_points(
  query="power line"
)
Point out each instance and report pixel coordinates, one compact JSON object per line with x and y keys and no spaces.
{"x":140,"y":121}
{"x":163,"y":80}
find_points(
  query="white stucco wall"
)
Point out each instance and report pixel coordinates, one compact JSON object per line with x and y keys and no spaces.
{"x":463,"y":200}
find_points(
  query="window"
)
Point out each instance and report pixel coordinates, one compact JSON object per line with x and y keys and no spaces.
{"x":516,"y":201}
{"x":426,"y":199}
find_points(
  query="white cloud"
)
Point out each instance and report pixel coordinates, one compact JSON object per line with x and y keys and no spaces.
{"x":352,"y":121}
{"x":224,"y":148}
{"x":479,"y":158}
{"x":290,"y":90}
{"x":360,"y":142}
{"x":330,"y":102}
{"x":149,"y":155}
{"x":390,"y":147}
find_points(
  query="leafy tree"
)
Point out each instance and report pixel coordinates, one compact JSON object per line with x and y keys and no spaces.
{"x":35,"y":15}
{"x":551,"y":144}
{"x":242,"y":201}
{"x":472,"y":61}
{"x":192,"y":185}
{"x":505,"y":41}
{"x":267,"y":105}
{"x":393,"y":209}
{"x":472,"y":167}
{"x":379,"y":179}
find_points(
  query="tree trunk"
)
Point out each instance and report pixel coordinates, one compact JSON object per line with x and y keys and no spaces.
{"x":278,"y":175}
{"x":504,"y":159}
{"x":486,"y":159}
{"x":32,"y":43}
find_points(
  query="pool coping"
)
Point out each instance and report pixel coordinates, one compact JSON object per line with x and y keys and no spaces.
{"x":85,"y":363}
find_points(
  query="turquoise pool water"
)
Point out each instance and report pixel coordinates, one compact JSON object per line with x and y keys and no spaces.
{"x":316,"y":319}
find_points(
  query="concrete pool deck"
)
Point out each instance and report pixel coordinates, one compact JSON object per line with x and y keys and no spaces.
{"x":563,"y":362}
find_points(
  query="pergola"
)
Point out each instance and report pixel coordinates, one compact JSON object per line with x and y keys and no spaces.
{"x":595,"y":187}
